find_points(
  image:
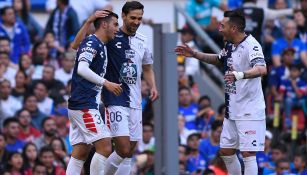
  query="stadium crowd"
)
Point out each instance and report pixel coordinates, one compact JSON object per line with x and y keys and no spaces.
{"x":36,"y":67}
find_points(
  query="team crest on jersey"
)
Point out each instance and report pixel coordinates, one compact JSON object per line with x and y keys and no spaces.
{"x":128,"y":73}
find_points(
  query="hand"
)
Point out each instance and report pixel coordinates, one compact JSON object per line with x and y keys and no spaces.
{"x":97,"y":14}
{"x":153,"y":94}
{"x":184,"y":50}
{"x":229,"y":77}
{"x":113,"y":87}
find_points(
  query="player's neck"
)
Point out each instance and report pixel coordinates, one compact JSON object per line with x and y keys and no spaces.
{"x":101,"y":36}
{"x":240,"y":37}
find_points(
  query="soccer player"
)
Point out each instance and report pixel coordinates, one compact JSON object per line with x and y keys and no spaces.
{"x":87,"y":126}
{"x":129,"y":57}
{"x":244,"y":123}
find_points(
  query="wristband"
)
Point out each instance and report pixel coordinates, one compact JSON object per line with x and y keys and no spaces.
{"x":238,"y":75}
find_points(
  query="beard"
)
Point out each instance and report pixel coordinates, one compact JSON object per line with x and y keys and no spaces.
{"x":50,"y":133}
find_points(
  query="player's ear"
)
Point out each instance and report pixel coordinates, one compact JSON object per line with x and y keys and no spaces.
{"x":123,"y":15}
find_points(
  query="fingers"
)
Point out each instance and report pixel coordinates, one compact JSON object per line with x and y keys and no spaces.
{"x":101,"y":13}
{"x":117,"y":89}
{"x":154,"y":95}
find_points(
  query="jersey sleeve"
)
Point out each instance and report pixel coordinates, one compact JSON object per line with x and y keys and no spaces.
{"x":256,"y":57}
{"x":88,"y":50}
{"x":147,"y":59}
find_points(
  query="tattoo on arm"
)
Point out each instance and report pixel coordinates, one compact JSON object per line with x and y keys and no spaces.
{"x":208,"y":58}
{"x":255,"y":72}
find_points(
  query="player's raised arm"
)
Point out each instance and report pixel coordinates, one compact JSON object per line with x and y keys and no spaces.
{"x":86,"y":26}
{"x":185,"y":50}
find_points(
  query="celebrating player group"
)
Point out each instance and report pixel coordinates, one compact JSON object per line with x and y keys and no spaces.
{"x":109,"y":63}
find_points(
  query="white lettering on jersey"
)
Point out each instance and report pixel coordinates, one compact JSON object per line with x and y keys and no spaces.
{"x":118,"y":45}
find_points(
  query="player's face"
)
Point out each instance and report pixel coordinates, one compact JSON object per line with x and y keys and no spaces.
{"x":132,"y":20}
{"x":226,"y":29}
{"x":112,"y":28}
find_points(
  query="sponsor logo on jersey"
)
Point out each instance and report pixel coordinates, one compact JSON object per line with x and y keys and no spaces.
{"x":118,"y":45}
{"x":251,"y":132}
{"x":128,"y":73}
{"x":89,"y":49}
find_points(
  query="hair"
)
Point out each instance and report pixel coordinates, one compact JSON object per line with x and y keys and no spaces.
{"x":62,"y":143}
{"x":236,"y":17}
{"x":282,"y":161}
{"x":216,"y":124}
{"x":65,"y":2}
{"x":24,"y":12}
{"x":98,"y":21}
{"x":5,"y":38}
{"x":4,"y":9}
{"x":28,"y":96}
{"x":281,"y":147}
{"x":35,"y":59}
{"x":45,"y":120}
{"x":38,"y":163}
{"x":148,"y":124}
{"x":24,"y":154}
{"x":184,"y":88}
{"x":17,"y":114}
{"x":132,"y":5}
{"x":23,"y":73}
{"x":204,"y":97}
{"x":9,"y":121}
{"x":45,"y":149}
{"x":9,"y":157}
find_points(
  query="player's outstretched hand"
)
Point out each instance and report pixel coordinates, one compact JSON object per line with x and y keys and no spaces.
{"x":113,"y":87}
{"x":184,"y":50}
{"x":153,"y":94}
{"x":98,"y":14}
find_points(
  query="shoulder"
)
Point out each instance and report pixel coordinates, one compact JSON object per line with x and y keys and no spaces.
{"x":140,"y":37}
{"x":251,"y":42}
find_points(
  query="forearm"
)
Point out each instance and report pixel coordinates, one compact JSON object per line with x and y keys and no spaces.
{"x":149,"y":75}
{"x":255,"y":72}
{"x":208,"y":58}
{"x":80,"y":35}
{"x":85,"y":72}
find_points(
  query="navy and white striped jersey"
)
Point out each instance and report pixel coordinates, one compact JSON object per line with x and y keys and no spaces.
{"x":85,"y":94}
{"x":244,"y":98}
{"x":126,"y":55}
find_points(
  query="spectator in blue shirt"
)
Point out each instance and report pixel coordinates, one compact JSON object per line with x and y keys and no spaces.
{"x":187,"y":108}
{"x":209,"y":147}
{"x":11,"y":131}
{"x":289,"y":41}
{"x":195,"y":161}
{"x":300,"y":163}
{"x":279,"y":152}
{"x":205,"y":115}
{"x":63,"y":22}
{"x":283,"y":167}
{"x":292,"y":91}
{"x":264,"y":157}
{"x":16,"y":31}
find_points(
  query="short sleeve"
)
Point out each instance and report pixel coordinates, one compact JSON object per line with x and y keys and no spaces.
{"x":276,"y":49}
{"x":147,"y":59}
{"x":88,"y":51}
{"x":256,"y":57}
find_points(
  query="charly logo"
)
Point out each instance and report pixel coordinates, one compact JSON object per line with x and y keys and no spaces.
{"x":128,"y":73}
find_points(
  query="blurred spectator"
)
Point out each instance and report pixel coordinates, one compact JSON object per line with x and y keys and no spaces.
{"x":63,"y":22}
{"x":64,"y":74}
{"x":45,"y":103}
{"x":204,"y":116}
{"x":300,"y":21}
{"x":148,"y":141}
{"x":61,"y":156}
{"x":195,"y":161}
{"x":30,"y":156}
{"x":16,"y":31}
{"x":256,"y":16}
{"x":39,"y":169}
{"x":24,"y":15}
{"x":279,"y":152}
{"x":300,"y":163}
{"x":30,"y":104}
{"x":27,"y":132}
{"x":3,"y":152}
{"x":218,"y":166}
{"x":9,"y":105}
{"x":187,"y":108}
{"x":11,"y":132}
{"x":282,"y":72}
{"x":55,"y":87}
{"x":289,"y":41}
{"x":20,"y":89}
{"x":5,"y":43}
{"x":6,"y":70}
{"x":183,"y":131}
{"x":283,"y":168}
{"x":47,"y":157}
{"x":187,"y":36}
{"x":264,"y":157}
{"x":182,"y":150}
{"x":147,"y":106}
{"x":25,"y":64}
{"x":39,"y":58}
{"x":15,"y":163}
{"x":292,"y":91}
{"x":201,"y":10}
{"x":49,"y":132}
{"x":148,"y":168}
{"x":209,"y":147}
{"x":53,"y":45}
{"x":221,"y":112}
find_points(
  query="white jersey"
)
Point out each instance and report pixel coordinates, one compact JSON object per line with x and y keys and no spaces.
{"x":244,"y":98}
{"x":127,"y":54}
